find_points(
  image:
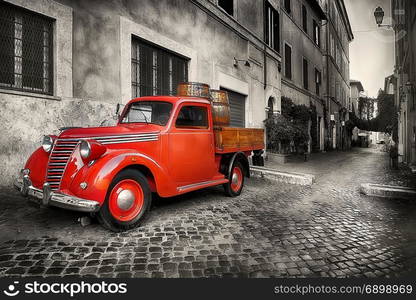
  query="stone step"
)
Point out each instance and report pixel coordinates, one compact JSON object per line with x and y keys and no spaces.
{"x":286,"y":177}
{"x":388,"y":191}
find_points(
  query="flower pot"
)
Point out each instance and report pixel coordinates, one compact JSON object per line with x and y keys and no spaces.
{"x":278,"y":158}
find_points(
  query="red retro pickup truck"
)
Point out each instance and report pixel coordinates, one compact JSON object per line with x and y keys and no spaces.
{"x":162,"y":144}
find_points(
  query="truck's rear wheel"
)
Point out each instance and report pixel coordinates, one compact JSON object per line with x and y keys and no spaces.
{"x":235,"y":185}
{"x":127,"y":202}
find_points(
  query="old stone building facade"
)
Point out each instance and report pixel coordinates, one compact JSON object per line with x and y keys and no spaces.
{"x":338,"y":35}
{"x":68,"y":62}
{"x":356,"y":92}
{"x":303,"y":64}
{"x":315,"y":54}
{"x":404,"y":25}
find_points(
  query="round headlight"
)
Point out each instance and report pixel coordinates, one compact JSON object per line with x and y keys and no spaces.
{"x":85,"y":149}
{"x":47,"y":143}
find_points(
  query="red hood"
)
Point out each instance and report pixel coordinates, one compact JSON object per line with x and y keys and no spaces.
{"x":123,"y":129}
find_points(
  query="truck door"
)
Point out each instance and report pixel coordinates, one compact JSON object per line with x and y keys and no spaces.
{"x":191,"y":145}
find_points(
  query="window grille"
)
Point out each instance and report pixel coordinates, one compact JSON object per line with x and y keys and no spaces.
{"x":26,"y":50}
{"x":155,"y":71}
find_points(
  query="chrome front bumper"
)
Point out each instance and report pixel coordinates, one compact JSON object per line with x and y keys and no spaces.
{"x":47,"y":197}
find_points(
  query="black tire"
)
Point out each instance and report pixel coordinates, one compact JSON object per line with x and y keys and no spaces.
{"x":105,"y":216}
{"x":228,"y":188}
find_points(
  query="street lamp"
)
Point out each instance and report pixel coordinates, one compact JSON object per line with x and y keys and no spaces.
{"x":379,"y":15}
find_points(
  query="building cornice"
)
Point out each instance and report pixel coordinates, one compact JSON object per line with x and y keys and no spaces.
{"x":346,"y":19}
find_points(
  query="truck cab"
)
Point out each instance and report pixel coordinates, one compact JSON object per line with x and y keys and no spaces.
{"x":161,"y":145}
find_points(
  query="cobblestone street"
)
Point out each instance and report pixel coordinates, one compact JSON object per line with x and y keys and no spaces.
{"x":271,"y":230}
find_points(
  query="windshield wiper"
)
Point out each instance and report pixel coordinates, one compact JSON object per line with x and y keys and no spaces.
{"x":144,"y":116}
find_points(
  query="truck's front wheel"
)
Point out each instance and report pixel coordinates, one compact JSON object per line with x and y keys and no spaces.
{"x":127,"y":202}
{"x":235,"y":185}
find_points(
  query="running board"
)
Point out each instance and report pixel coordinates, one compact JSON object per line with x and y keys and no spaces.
{"x":201,"y":185}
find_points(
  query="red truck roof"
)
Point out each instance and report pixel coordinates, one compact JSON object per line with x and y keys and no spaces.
{"x":171,"y":99}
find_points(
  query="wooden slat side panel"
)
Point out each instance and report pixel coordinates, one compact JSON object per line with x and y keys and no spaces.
{"x":231,"y":139}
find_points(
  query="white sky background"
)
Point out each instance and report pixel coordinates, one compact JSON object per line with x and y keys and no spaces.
{"x":372,"y":50}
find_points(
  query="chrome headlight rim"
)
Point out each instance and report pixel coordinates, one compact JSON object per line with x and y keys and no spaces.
{"x":84,"y":149}
{"x":47,"y":143}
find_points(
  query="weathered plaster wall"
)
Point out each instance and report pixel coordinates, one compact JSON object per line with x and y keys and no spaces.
{"x":26,"y":117}
{"x":24,"y":121}
{"x":93,"y":64}
{"x":249,"y":15}
{"x":302,"y":46}
{"x":179,"y":26}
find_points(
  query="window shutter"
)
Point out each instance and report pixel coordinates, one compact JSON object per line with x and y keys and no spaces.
{"x":267,"y":25}
{"x":305,"y":74}
{"x":288,"y":62}
{"x":276,"y":29}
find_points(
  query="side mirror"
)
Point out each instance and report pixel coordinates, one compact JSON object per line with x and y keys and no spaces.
{"x":118,"y":111}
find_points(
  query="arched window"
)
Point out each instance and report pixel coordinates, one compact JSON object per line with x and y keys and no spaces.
{"x":270,"y":105}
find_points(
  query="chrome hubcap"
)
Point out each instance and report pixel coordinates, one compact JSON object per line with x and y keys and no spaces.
{"x":234,"y":179}
{"x":125,"y":199}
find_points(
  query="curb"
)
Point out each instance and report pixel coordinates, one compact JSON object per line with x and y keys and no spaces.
{"x":388,"y":191}
{"x":275,"y":175}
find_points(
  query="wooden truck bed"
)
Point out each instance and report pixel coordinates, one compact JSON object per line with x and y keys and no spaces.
{"x":231,"y":139}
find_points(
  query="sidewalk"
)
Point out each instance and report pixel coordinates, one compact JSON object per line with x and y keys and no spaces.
{"x":320,"y":164}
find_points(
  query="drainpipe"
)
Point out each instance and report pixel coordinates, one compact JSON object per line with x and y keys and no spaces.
{"x":264,"y":46}
{"x":328,"y":97}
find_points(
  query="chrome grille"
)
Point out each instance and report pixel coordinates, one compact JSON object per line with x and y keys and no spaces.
{"x":63,"y":149}
{"x":61,"y":152}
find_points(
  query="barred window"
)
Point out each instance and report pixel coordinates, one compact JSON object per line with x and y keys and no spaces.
{"x":155,"y":71}
{"x":25,"y":50}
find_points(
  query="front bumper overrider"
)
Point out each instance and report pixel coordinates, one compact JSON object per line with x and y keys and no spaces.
{"x":48,"y":197}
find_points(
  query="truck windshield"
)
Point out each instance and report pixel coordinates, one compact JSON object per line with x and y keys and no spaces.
{"x":155,"y":112}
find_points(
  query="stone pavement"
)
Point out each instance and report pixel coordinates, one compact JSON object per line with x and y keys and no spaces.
{"x":271,"y":230}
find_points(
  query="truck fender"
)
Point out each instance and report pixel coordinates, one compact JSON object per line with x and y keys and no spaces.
{"x":37,"y":164}
{"x":101,"y":175}
{"x":239,"y":156}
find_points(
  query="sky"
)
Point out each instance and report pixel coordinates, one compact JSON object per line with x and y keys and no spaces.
{"x":372,"y":50}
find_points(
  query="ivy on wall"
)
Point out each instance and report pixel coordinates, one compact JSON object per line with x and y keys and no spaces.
{"x":289,"y":131}
{"x":385,"y":121}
